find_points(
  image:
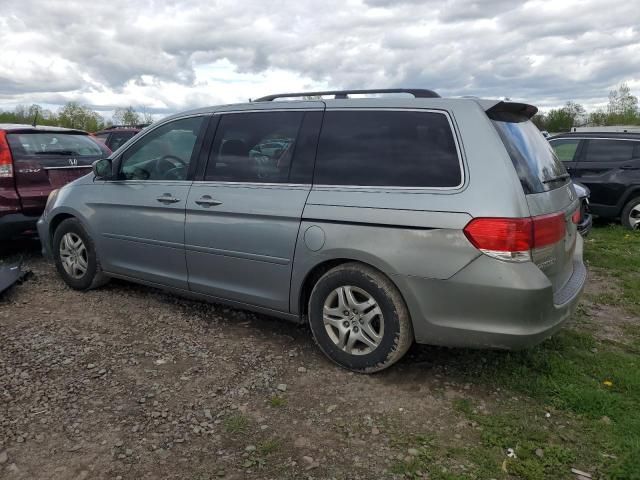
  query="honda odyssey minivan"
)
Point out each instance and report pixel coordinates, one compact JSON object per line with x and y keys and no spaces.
{"x":377,"y":221}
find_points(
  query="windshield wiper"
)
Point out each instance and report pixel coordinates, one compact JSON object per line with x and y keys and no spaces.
{"x":564,"y":176}
{"x":57,"y":152}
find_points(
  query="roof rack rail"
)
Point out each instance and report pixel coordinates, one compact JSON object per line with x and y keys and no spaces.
{"x":343,"y":94}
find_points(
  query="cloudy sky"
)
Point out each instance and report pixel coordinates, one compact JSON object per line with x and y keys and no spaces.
{"x":166,"y":56}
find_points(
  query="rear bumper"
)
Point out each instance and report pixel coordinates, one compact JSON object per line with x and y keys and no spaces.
{"x":491,"y":304}
{"x":15,"y":224}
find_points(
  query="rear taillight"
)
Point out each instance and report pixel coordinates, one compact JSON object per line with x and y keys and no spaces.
{"x":548,"y":229}
{"x":513,"y":239}
{"x":6,"y":161}
{"x":575,"y":218}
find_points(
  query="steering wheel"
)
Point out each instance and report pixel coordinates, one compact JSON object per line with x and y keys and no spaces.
{"x":176,"y":168}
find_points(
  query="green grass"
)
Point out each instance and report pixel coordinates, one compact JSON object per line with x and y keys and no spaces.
{"x":236,"y":423}
{"x":277,"y":401}
{"x":594,"y":426}
{"x":269,"y":446}
{"x":617,"y":251}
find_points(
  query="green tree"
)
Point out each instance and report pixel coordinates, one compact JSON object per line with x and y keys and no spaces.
{"x":126,"y":116}
{"x":540,"y":120}
{"x":622,"y":102}
{"x":75,"y":115}
{"x":25,"y":115}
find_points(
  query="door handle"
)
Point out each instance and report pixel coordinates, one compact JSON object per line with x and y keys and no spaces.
{"x":628,"y":167}
{"x":167,"y":198}
{"x":207,"y":201}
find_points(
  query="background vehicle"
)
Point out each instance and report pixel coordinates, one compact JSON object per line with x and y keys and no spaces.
{"x":376,"y":220}
{"x":586,"y":220}
{"x":609,"y":165}
{"x":116,"y":135}
{"x":33,"y":161}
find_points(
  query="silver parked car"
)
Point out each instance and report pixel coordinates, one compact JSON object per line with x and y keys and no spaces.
{"x":379,"y":221}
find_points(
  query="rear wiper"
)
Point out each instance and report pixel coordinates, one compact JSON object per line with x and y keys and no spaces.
{"x":58,"y":152}
{"x":564,"y":176}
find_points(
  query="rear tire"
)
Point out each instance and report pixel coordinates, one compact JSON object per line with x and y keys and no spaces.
{"x":630,"y":217}
{"x":359,"y":319}
{"x":75,"y":257}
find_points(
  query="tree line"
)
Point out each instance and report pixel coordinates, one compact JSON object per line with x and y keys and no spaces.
{"x":622,"y":109}
{"x":73,"y":115}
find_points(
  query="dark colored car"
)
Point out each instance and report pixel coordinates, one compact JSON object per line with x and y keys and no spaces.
{"x":585,"y":222}
{"x":609,"y":165}
{"x":34,"y":161}
{"x":117,"y":135}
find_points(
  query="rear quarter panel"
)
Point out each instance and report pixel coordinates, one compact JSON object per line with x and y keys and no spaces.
{"x":412,"y":232}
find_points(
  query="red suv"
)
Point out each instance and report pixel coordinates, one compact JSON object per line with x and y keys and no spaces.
{"x":116,"y":135}
{"x":34,"y":161}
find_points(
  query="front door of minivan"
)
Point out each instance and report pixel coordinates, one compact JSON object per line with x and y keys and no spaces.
{"x":243,"y":214}
{"x":140,"y":216}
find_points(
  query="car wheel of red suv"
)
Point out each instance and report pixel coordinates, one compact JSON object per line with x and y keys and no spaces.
{"x":75,"y":256}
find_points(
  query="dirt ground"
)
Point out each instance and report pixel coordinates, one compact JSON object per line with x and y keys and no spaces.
{"x":127,"y":382}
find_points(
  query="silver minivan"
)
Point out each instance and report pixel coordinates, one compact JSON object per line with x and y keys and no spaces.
{"x":377,"y":221}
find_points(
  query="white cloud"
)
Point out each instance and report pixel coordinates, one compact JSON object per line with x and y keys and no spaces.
{"x":167,"y":56}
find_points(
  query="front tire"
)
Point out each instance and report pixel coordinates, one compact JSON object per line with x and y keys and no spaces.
{"x":630,"y":217}
{"x":75,"y":256}
{"x":359,"y":319}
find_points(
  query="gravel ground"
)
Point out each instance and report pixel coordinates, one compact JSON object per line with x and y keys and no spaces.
{"x":127,"y":382}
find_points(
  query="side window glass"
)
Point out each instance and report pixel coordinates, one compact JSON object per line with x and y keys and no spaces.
{"x":565,"y":149}
{"x":387,"y":148}
{"x":254,"y":147}
{"x":609,"y":151}
{"x":163,"y":154}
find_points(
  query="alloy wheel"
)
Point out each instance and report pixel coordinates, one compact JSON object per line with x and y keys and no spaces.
{"x":634,"y":217}
{"x":73,"y":255}
{"x":353,"y":320}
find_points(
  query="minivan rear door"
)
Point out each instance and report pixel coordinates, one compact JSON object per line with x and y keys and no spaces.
{"x":48,"y":159}
{"x":546,"y":184}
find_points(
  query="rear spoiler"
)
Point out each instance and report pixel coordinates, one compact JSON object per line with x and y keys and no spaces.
{"x":511,"y":109}
{"x":68,"y":131}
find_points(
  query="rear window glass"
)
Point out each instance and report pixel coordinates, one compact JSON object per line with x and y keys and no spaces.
{"x":533,"y":157}
{"x":53,"y":143}
{"x":387,"y":148}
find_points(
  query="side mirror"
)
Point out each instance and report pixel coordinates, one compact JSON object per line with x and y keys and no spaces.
{"x":102,"y":169}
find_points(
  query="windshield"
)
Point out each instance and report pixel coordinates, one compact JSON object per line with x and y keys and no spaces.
{"x":53,"y":143}
{"x":534,"y":159}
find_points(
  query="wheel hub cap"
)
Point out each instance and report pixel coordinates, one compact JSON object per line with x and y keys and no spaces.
{"x":73,"y":255}
{"x":353,"y":320}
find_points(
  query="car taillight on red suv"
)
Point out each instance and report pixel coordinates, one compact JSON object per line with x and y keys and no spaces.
{"x":9,"y":200}
{"x":6,"y":161}
{"x":512,"y":239}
